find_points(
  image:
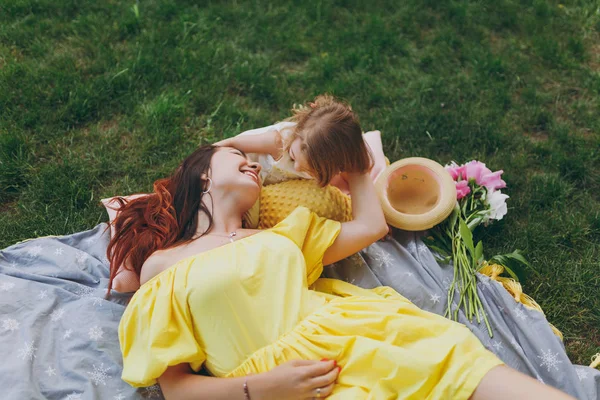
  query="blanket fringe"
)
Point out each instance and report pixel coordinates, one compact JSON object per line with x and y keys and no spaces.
{"x":515,"y":289}
{"x":595,"y":361}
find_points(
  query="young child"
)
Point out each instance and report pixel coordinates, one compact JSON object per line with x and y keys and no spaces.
{"x":321,"y":140}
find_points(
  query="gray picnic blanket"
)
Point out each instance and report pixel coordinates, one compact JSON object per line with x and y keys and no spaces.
{"x":59,"y":341}
{"x":58,"y":337}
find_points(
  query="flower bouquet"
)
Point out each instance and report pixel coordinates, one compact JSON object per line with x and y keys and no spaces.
{"x":479,"y":202}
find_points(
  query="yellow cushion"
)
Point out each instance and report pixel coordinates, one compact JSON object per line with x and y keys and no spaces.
{"x":279,"y":200}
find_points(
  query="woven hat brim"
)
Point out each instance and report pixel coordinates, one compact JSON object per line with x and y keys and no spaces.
{"x":418,"y":222}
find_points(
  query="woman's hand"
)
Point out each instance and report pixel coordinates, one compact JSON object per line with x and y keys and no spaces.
{"x":340,"y":182}
{"x":295,"y":380}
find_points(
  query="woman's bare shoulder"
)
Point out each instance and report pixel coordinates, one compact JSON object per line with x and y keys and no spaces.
{"x":154,"y":265}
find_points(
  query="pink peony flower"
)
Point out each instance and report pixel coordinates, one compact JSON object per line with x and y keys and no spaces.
{"x":493,"y":181}
{"x":456,"y":171}
{"x":483,"y":176}
{"x":476,"y":170}
{"x":462,"y":189}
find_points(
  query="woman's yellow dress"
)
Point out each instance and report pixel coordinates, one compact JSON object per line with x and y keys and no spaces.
{"x":246,"y":307}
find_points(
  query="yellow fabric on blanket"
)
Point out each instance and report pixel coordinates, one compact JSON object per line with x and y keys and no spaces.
{"x":246,"y":307}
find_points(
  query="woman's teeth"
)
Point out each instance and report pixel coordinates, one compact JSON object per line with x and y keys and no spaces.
{"x":252,"y":175}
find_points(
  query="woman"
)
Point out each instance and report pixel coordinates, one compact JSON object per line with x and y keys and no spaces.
{"x":237,"y":301}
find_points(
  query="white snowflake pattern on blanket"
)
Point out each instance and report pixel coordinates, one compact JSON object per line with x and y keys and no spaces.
{"x":81,"y":259}
{"x":98,"y":375}
{"x":549,"y":359}
{"x":27,"y":351}
{"x":497,"y":345}
{"x":6,"y":286}
{"x":35,"y":250}
{"x":581,"y":374}
{"x":384,"y":258}
{"x":10,"y":324}
{"x":57,"y":314}
{"x":519,"y":313}
{"x":95,"y":333}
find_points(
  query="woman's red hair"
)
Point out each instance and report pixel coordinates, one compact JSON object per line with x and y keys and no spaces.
{"x":163,"y":219}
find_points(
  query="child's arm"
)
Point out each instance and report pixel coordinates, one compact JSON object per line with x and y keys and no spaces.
{"x":269,"y":142}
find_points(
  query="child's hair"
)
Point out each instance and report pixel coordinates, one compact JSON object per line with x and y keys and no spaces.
{"x":331,"y":138}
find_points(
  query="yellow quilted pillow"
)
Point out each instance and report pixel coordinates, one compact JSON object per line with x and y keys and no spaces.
{"x":279,"y":200}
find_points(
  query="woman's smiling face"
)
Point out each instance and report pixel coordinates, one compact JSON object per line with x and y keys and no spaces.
{"x":232,"y":171}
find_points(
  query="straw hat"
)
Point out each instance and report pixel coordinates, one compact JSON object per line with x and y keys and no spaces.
{"x":416,"y":193}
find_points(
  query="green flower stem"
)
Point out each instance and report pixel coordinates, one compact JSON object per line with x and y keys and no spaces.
{"x":466,"y":285}
{"x":487,"y":324}
{"x":474,"y":299}
{"x":448,"y":312}
{"x":452,"y":288}
{"x":464,"y":278}
{"x":462,"y":294}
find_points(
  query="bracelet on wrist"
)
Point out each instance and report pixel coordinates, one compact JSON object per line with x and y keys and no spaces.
{"x":246,"y":391}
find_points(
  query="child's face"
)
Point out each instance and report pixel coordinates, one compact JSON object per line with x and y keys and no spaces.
{"x":299,"y":157}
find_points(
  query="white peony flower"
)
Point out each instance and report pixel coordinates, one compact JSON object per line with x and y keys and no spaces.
{"x":497,"y":202}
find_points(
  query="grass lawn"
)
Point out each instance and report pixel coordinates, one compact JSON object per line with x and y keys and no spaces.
{"x":99,"y":98}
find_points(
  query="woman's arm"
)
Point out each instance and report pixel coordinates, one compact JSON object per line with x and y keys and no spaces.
{"x":368,"y":224}
{"x":269,"y":142}
{"x":373,"y":140}
{"x":294,"y":380}
{"x":178,"y":382}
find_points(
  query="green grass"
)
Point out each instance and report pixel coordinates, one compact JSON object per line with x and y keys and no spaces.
{"x":99,"y":98}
